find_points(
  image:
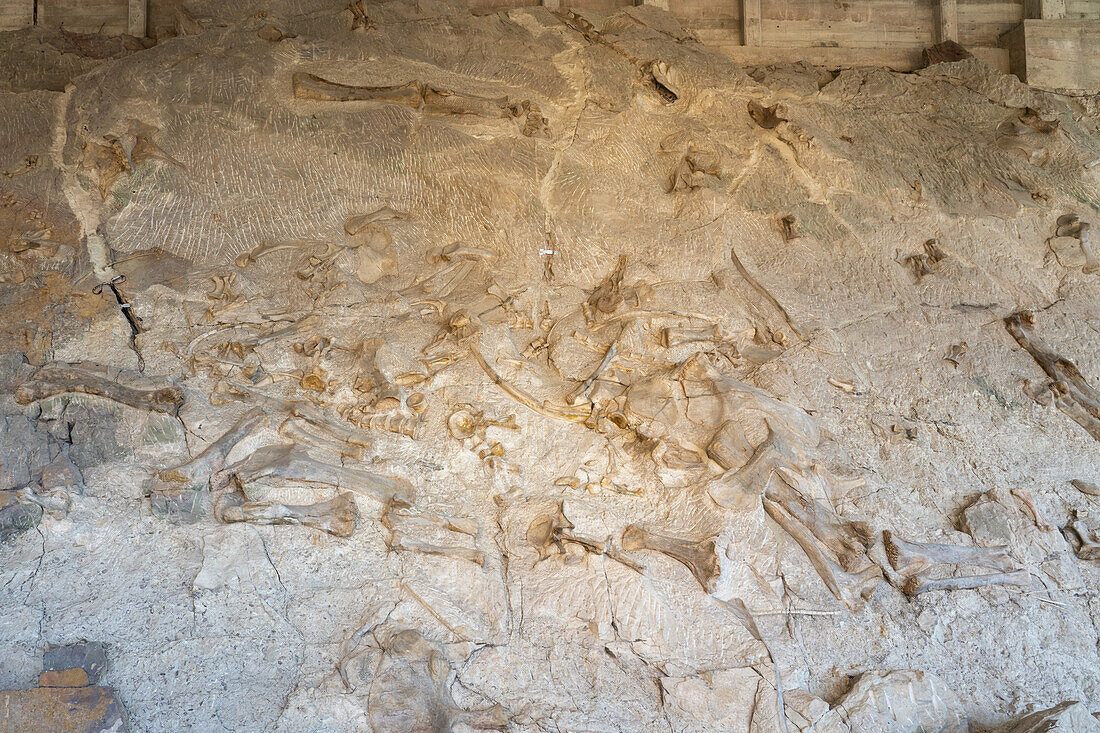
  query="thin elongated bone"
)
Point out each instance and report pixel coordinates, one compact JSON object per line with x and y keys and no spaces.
{"x":338,"y":516}
{"x":672,"y":336}
{"x":909,"y":558}
{"x":399,"y":541}
{"x":698,"y":556}
{"x":309,"y":86}
{"x":741,"y":612}
{"x":442,"y":102}
{"x":848,"y":540}
{"x":265,"y":248}
{"x":1029,"y":501}
{"x":290,"y":463}
{"x":1091,"y":263}
{"x":1086,"y":487}
{"x":292,"y":430}
{"x":1073,"y":395}
{"x":765,"y":293}
{"x":358,"y":222}
{"x":915,"y":585}
{"x":212,"y":458}
{"x":580,"y":396}
{"x":60,"y":378}
{"x":461,"y":525}
{"x":569,"y":414}
{"x":850,"y":588}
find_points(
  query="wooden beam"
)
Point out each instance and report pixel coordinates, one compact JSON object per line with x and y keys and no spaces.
{"x":1045,"y":9}
{"x":137,"y":18}
{"x":947,"y":28}
{"x":752,"y":29}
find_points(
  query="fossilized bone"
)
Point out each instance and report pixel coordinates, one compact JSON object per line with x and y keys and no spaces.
{"x":356,"y":223}
{"x":61,"y":378}
{"x":956,"y":352}
{"x":265,"y":248}
{"x":850,"y":588}
{"x":337,"y":517}
{"x":1070,"y":225}
{"x":698,"y":556}
{"x":442,"y":102}
{"x":1029,"y":501}
{"x":580,"y":395}
{"x":108,"y":162}
{"x":462,"y":525}
{"x":459,"y":251}
{"x":569,"y":414}
{"x":29,"y":164}
{"x":909,"y":558}
{"x":673,"y":336}
{"x":197,"y":471}
{"x":789,"y":227}
{"x":309,"y":86}
{"x":925,"y":264}
{"x":552,"y":531}
{"x":398,"y":541}
{"x":290,"y":463}
{"x":1086,"y":544}
{"x":915,"y":584}
{"x":406,"y":425}
{"x":293,"y":430}
{"x":1072,"y":394}
{"x":608,"y":295}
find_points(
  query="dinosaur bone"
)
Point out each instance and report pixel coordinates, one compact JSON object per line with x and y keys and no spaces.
{"x":297,"y":432}
{"x":909,"y":558}
{"x":1072,"y":394}
{"x":60,"y":378}
{"x":337,"y":516}
{"x":211,"y":459}
{"x":915,"y":585}
{"x":1085,"y":543}
{"x":850,"y":588}
{"x":398,"y":541}
{"x":462,"y":525}
{"x":309,"y":86}
{"x":673,"y":336}
{"x":552,"y":530}
{"x":1029,"y":501}
{"x":290,"y":463}
{"x":698,"y":556}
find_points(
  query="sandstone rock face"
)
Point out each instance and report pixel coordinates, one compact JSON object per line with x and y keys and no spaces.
{"x":394,"y":367}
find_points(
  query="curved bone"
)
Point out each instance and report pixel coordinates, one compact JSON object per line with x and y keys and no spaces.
{"x":337,"y":516}
{"x":909,"y":558}
{"x":916,"y":585}
{"x":1029,"y":501}
{"x":1085,"y":543}
{"x":60,"y":378}
{"x":290,"y":463}
{"x":698,"y":556}
{"x":850,"y":588}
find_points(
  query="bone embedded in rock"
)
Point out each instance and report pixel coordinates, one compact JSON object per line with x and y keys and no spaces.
{"x":212,"y":458}
{"x":60,"y":378}
{"x":1085,"y":542}
{"x":310,"y":86}
{"x":909,"y":558}
{"x":337,"y":517}
{"x":1029,"y":501}
{"x":400,"y":541}
{"x":698,"y":556}
{"x":917,"y":584}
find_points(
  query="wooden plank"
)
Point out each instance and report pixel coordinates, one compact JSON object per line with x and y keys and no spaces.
{"x":1045,"y":9}
{"x":1083,"y":9}
{"x":751,"y":27}
{"x":948,"y":16}
{"x":1062,"y":54}
{"x":16,"y":14}
{"x":847,"y":33}
{"x":137,"y":18}
{"x":899,"y":59}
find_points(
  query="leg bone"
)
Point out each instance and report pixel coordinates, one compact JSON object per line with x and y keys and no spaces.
{"x":398,"y":541}
{"x":337,"y":516}
{"x":909,"y":558}
{"x":59,"y":378}
{"x":698,"y":556}
{"x":916,"y":585}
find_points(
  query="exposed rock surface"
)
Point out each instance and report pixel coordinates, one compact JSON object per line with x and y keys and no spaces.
{"x":393,"y":366}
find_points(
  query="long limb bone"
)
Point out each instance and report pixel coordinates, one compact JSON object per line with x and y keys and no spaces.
{"x":60,"y":378}
{"x":309,"y":86}
{"x":398,"y":541}
{"x":850,"y":588}
{"x":916,"y":585}
{"x":698,"y":556}
{"x":290,"y":463}
{"x":212,"y":458}
{"x":337,"y":516}
{"x":909,"y":558}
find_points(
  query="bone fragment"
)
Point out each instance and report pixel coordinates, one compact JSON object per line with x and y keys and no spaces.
{"x":398,"y":541}
{"x":462,"y":525}
{"x":850,"y":588}
{"x":698,"y":556}
{"x":909,"y":558}
{"x":356,"y":223}
{"x":915,"y":585}
{"x":569,"y":414}
{"x":1029,"y":501}
{"x":1086,"y":544}
{"x":405,"y":425}
{"x":1073,"y":395}
{"x":211,"y":459}
{"x":338,"y":516}
{"x":296,"y":432}
{"x":60,"y":378}
{"x":673,"y":336}
{"x":290,"y":463}
{"x":580,"y":396}
{"x":1086,"y":487}
{"x":309,"y":86}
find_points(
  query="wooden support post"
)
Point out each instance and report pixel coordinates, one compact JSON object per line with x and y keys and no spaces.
{"x":1045,"y":9}
{"x":137,"y":18}
{"x":948,"y":27}
{"x":752,"y":29}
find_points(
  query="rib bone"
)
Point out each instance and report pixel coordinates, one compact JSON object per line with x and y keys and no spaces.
{"x":60,"y":378}
{"x":398,"y":541}
{"x":698,"y":556}
{"x":1029,"y":501}
{"x":916,"y":585}
{"x":337,"y":516}
{"x":290,"y":463}
{"x":308,"y":86}
{"x":909,"y":558}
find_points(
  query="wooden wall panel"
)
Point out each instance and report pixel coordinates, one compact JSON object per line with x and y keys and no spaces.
{"x":860,"y":24}
{"x":16,"y":14}
{"x":1087,"y":9}
{"x":85,"y":16}
{"x":983,"y":22}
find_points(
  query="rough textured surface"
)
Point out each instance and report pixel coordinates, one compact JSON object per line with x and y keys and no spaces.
{"x":601,"y":334}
